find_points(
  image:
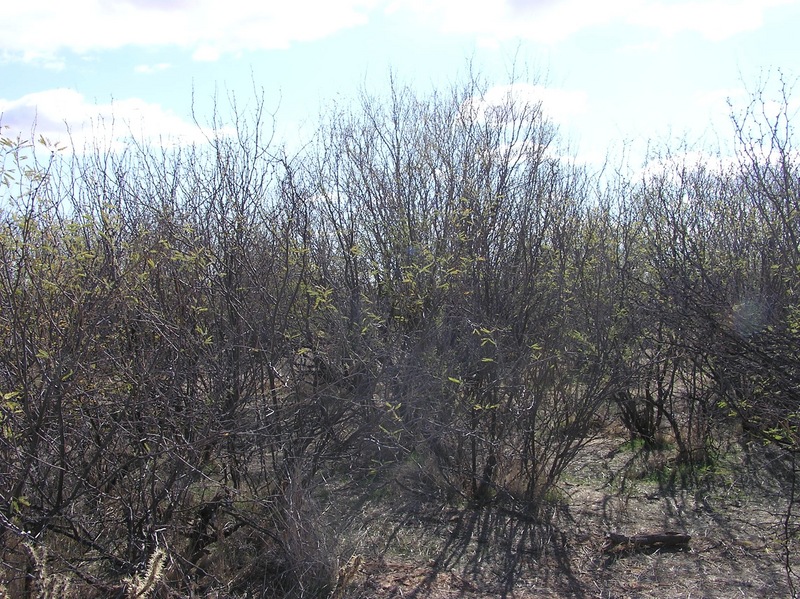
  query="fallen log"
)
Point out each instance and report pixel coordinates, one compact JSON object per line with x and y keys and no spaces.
{"x":618,"y":542}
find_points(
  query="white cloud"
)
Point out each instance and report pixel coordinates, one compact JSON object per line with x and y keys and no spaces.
{"x":206,"y":53}
{"x":205,"y":27}
{"x":503,"y":105}
{"x":45,"y":60}
{"x":767,"y":103}
{"x":713,"y":19}
{"x":546,"y":21}
{"x":673,"y":166}
{"x":66,"y":116}
{"x":718,"y":102}
{"x":550,"y":21}
{"x":40,"y":30}
{"x":557,"y":104}
{"x":149,"y":69}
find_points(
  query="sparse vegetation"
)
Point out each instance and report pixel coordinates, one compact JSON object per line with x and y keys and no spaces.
{"x":229,"y":371}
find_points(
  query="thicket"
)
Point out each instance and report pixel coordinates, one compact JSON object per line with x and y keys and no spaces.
{"x":201,"y":348}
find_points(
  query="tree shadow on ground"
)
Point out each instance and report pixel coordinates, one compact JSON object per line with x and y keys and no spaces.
{"x":497,"y":548}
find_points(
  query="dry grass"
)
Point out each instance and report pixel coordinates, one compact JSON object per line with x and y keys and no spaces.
{"x":395,"y":535}
{"x":733,"y":512}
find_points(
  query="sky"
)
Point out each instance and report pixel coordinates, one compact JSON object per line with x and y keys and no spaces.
{"x":611,"y":75}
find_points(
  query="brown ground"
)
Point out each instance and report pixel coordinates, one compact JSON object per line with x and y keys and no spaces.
{"x":733,"y":512}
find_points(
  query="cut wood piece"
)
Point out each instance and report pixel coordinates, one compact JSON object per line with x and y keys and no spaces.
{"x":618,"y":542}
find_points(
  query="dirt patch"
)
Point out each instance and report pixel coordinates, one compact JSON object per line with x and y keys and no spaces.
{"x":732,"y":511}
